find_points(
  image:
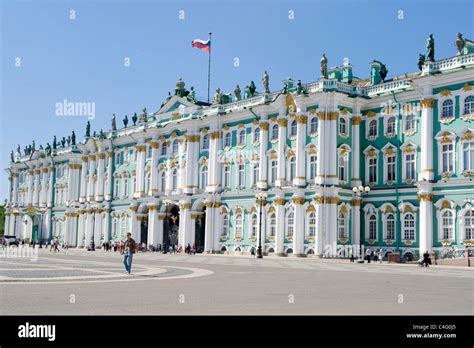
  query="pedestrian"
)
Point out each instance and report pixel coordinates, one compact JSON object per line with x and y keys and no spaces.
{"x":194,"y":248}
{"x":129,"y":249}
{"x":368,"y":255}
{"x":380,"y":255}
{"x":426,"y":259}
{"x":352,"y":257}
{"x":376,"y":256}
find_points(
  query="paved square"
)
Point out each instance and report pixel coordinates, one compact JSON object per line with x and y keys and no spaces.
{"x":81,"y":282}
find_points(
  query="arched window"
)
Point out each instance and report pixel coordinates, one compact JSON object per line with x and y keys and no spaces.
{"x":149,"y":151}
{"x":253,"y":229}
{"x":469,"y":224}
{"x":275,"y":132}
{"x":292,"y":168}
{"x":468,"y":155}
{"x":272,"y":225}
{"x":163,"y":181}
{"x":447,"y":108}
{"x":225,"y":224}
{"x":409,"y":227}
{"x":164,"y":148}
{"x":410,"y":123}
{"x":203,"y":181}
{"x":242,"y":137}
{"x":290,"y":224}
{"x":293,"y":128}
{"x":175,"y":146}
{"x":312,"y":224}
{"x":313,"y":163}
{"x":447,"y":223}
{"x":469,"y":105}
{"x":238,"y":226}
{"x":313,"y":126}
{"x":342,"y":126}
{"x":227,"y":139}
{"x":174,"y":179}
{"x":256,"y":135}
{"x":373,"y":128}
{"x":205,"y":142}
{"x":390,"y":221}
{"x":227,"y":175}
{"x":391,"y":125}
{"x":372,"y":226}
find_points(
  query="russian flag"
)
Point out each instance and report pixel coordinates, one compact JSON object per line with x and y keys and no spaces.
{"x":203,"y":45}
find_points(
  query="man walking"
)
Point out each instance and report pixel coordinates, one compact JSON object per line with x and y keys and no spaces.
{"x":128,"y":250}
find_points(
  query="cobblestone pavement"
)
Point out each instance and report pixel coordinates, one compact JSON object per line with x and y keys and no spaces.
{"x":81,"y":282}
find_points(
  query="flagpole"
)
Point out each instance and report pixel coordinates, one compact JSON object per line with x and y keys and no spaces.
{"x":209,"y":70}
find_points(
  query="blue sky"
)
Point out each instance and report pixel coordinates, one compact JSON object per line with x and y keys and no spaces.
{"x":82,"y":59}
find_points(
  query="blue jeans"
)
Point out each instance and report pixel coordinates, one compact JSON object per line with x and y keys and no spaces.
{"x":127,"y":261}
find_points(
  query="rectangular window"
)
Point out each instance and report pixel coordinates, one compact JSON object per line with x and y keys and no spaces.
{"x":255,"y":173}
{"x":448,"y":158}
{"x":241,"y":175}
{"x":468,"y":155}
{"x":227,"y":176}
{"x":391,"y":168}
{"x":372,"y":170}
{"x":410,"y":166}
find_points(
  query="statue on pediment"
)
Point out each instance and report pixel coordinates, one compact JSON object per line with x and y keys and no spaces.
{"x":237,"y":93}
{"x":324,"y":66}
{"x":459,"y":44}
{"x":266,"y":82}
{"x":421,"y":61}
{"x":134,"y":119}
{"x":125,"y":121}
{"x":430,"y":49}
{"x":114,"y":123}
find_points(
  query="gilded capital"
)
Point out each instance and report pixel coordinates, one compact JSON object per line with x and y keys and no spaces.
{"x":427,"y":103}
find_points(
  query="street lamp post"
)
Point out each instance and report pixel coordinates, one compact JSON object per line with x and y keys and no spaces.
{"x":261,"y":200}
{"x":360,"y":191}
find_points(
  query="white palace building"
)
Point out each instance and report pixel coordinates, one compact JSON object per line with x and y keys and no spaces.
{"x":344,"y":160}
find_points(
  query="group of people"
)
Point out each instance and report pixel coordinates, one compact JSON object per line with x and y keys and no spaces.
{"x":375,"y":255}
{"x":190,"y":250}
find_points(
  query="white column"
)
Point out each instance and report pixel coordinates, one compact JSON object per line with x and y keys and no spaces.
{"x":99,"y":184}
{"x":135,"y":226}
{"x":355,"y":180}
{"x":90,"y":185}
{"x":280,"y":226}
{"x":47,"y":224}
{"x":332,"y":150}
{"x":83,"y":191}
{"x":44,"y":187}
{"x":319,"y":238}
{"x":356,"y":221}
{"x":331,"y":211}
{"x":14,"y":190}
{"x":282,"y":122}
{"x":300,"y":177}
{"x":214,"y":166}
{"x":49,"y":198}
{"x":209,"y":229}
{"x":154,"y":167}
{"x":81,"y":229}
{"x":262,"y":182}
{"x":427,"y":171}
{"x":89,"y":223}
{"x":7,"y":223}
{"x":186,"y":224}
{"x":299,"y":231}
{"x":153,"y":225}
{"x":71,"y":229}
{"x":139,"y":190}
{"x":182,"y":165}
{"x":29,"y":197}
{"x":217,"y":226}
{"x":191,"y":163}
{"x":106,"y":225}
{"x":426,"y":219}
{"x":110,"y":178}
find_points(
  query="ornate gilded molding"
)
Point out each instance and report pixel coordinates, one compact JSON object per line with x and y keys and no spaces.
{"x":427,"y":103}
{"x":280,"y":201}
{"x":356,"y":120}
{"x":282,"y":122}
{"x":302,"y":119}
{"x":425,"y":197}
{"x":298,"y":200}
{"x":193,"y":138}
{"x":264,"y":125}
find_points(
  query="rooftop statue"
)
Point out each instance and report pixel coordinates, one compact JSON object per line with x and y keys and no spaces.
{"x":33,"y":147}
{"x":237,"y":93}
{"x":88,"y":130}
{"x":247,"y":93}
{"x":12,"y":157}
{"x":192,"y":95}
{"x":68,"y":140}
{"x":94,"y":134}
{"x":459,"y":44}
{"x":134,"y":119}
{"x":73,"y":138}
{"x":143,"y":116}
{"x":217,"y":97}
{"x":266,"y":82}
{"x":114,"y":123}
{"x":180,"y":90}
{"x":299,"y":87}
{"x":285,"y":88}
{"x":125,"y":121}
{"x":48,"y":149}
{"x":383,"y":72}
{"x":421,"y":61}
{"x":252,"y":88}
{"x":324,"y":66}
{"x":63,"y":142}
{"x":41,"y":147}
{"x":101,"y":135}
{"x":18,"y":150}
{"x":430,"y":50}
{"x":55,"y":143}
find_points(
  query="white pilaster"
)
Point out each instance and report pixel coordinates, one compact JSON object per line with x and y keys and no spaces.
{"x":299,"y":231}
{"x":427,"y":171}
{"x":300,"y":178}
{"x":281,"y":177}
{"x":280,"y":226}
{"x":262,"y":182}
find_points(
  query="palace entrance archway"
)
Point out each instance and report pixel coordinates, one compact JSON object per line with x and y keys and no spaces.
{"x":171,"y":227}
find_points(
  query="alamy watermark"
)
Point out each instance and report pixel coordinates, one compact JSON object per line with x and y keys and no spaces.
{"x":68,"y":108}
{"x":20,"y":252}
